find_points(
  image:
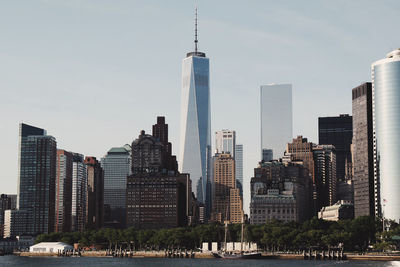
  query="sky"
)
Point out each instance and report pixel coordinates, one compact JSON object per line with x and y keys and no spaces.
{"x":93,"y":73}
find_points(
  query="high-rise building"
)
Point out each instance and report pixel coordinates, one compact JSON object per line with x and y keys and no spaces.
{"x":224,"y":190}
{"x":157,"y":196}
{"x":239,"y":168}
{"x":276,"y":117}
{"x":195,"y":147}
{"x":63,"y":191}
{"x":117,"y":166}
{"x":95,"y":193}
{"x":363,"y":151}
{"x":337,"y":131}
{"x":386,"y":126}
{"x":225,"y":142}
{"x":160,"y":131}
{"x":79,"y":193}
{"x":36,"y":178}
{"x":5,"y":204}
{"x":325,"y":175}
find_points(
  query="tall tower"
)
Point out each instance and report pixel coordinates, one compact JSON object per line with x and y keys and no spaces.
{"x":386,"y":128}
{"x":276,"y":117}
{"x":195,"y":138}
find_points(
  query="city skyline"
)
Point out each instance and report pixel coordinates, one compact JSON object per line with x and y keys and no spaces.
{"x":51,"y":99}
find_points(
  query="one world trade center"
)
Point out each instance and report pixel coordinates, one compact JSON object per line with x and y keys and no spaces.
{"x":195,"y":146}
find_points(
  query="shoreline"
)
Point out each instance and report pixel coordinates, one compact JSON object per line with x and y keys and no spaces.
{"x":200,"y":255}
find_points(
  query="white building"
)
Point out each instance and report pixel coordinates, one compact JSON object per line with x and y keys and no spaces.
{"x":50,"y":247}
{"x":386,"y":126}
{"x":276,"y":117}
{"x":225,"y":141}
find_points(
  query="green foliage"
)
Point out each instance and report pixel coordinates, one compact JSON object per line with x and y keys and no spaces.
{"x":355,"y":234}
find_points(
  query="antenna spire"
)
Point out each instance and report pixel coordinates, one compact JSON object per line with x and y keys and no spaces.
{"x":195,"y":31}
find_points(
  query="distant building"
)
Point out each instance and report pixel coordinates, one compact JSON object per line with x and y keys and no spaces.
{"x":63,"y":191}
{"x":36,"y":180}
{"x":276,"y":117}
{"x":16,"y":223}
{"x":342,"y":210}
{"x":337,"y":131}
{"x":236,"y":206}
{"x":345,"y":190}
{"x":5,"y":204}
{"x":280,"y":191}
{"x":267,"y":155}
{"x":157,"y":196}
{"x":239,"y":168}
{"x":224,"y":190}
{"x":79,"y":193}
{"x":386,"y":128}
{"x":117,"y":166}
{"x":325,"y":175}
{"x":95,"y":193}
{"x":225,"y":142}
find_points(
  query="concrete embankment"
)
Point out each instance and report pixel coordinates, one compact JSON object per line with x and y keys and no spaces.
{"x":373,"y":257}
{"x":136,"y":254}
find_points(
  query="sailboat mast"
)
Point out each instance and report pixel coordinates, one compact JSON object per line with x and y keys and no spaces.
{"x":241,"y":238}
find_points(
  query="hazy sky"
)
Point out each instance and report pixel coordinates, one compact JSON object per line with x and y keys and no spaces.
{"x":94,"y":73}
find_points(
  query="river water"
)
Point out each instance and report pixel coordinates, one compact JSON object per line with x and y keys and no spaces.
{"x":98,"y":262}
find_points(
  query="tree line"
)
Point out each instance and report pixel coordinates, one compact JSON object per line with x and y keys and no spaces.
{"x":359,"y":234}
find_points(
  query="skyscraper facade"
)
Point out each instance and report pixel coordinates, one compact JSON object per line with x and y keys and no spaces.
{"x":95,"y":193}
{"x":276,"y":117}
{"x":195,"y":147}
{"x":386,"y":119}
{"x":226,"y":197}
{"x":117,"y":166}
{"x":225,"y":142}
{"x":157,"y":196}
{"x":337,"y":131}
{"x":63,"y":191}
{"x":239,"y":167}
{"x":36,"y":178}
{"x":363,"y":151}
{"x":79,"y":193}
{"x":5,"y":204}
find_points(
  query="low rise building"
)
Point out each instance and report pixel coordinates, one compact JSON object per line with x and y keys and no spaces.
{"x":50,"y":247}
{"x":341,"y":210}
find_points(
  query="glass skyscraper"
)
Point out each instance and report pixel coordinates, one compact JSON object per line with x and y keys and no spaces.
{"x":117,"y":166}
{"x":79,"y":193}
{"x":36,"y":178}
{"x":195,"y":146}
{"x":386,"y":124}
{"x":276,"y":117}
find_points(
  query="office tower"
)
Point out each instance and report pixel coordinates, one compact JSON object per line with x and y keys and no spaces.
{"x":280,"y":191}
{"x":239,"y":167}
{"x":36,"y":179}
{"x":337,"y":131}
{"x":225,"y":142}
{"x":224,"y":190}
{"x":267,"y":155}
{"x":117,"y":166}
{"x":386,"y":119}
{"x":79,"y":193}
{"x":325,"y":175}
{"x":160,"y":131}
{"x":236,"y":206}
{"x":195,"y":147}
{"x":276,"y":117}
{"x":95,"y":193}
{"x":17,"y":223}
{"x":363,"y":151}
{"x":157,"y":196}
{"x":5,"y":204}
{"x":13,"y":199}
{"x":63,"y":191}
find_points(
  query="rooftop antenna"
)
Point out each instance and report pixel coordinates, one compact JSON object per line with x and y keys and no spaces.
{"x":195,"y":31}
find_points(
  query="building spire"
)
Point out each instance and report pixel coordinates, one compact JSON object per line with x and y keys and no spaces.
{"x":195,"y":31}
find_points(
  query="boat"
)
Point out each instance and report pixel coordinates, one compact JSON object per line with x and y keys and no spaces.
{"x":242,"y":254}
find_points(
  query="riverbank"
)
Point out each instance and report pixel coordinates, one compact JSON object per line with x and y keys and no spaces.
{"x":208,"y":255}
